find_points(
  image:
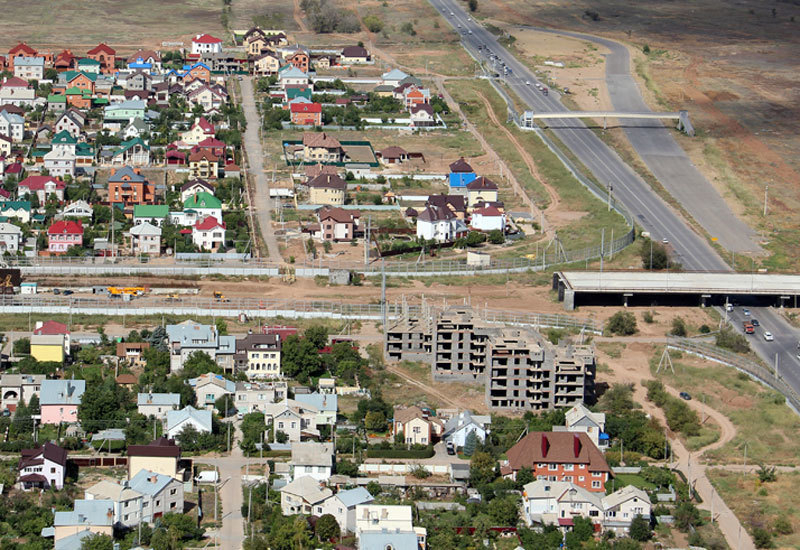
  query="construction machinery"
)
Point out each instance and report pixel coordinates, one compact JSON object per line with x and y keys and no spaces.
{"x":126,"y":291}
{"x":220,"y":297}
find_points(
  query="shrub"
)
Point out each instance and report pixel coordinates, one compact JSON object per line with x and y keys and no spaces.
{"x":762,"y":538}
{"x":640,"y":529}
{"x":678,"y":327}
{"x":496,"y":237}
{"x":729,"y":339}
{"x":373,"y":23}
{"x":647,"y":317}
{"x":622,"y":323}
{"x":704,"y":329}
{"x":783,"y":526}
{"x":400,"y":453}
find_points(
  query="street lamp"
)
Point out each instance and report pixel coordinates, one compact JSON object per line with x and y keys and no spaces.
{"x":610,"y":190}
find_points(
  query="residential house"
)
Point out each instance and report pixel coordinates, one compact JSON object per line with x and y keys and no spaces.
{"x":337,"y":224}
{"x":209,"y":234}
{"x":455,"y":203}
{"x":124,"y":112}
{"x":312,"y":459}
{"x":297,"y":420}
{"x":379,"y":527}
{"x":145,"y":60}
{"x":139,"y":82}
{"x":255,"y":41}
{"x":438,"y":223}
{"x":20,"y":50}
{"x":416,"y":425}
{"x":208,"y":97}
{"x":52,"y":328}
{"x":12,"y":125}
{"x":95,"y":516}
{"x":63,"y":235}
{"x":200,"y":130}
{"x":581,"y":419}
{"x":127,"y":503}
{"x":43,"y":187}
{"x":422,"y":115}
{"x":134,"y":152}
{"x":65,"y":61}
{"x":59,"y":400}
{"x":622,"y":506}
{"x":16,"y":91}
{"x":77,"y":209}
{"x":254,"y":396}
{"x":132,"y":352}
{"x":60,"y":161}
{"x":195,"y":186}
{"x":302,"y":495}
{"x":290,"y":75}
{"x":461,"y":175}
{"x":205,"y":43}
{"x":178,"y":420}
{"x":48,"y":347}
{"x":205,"y":164}
{"x":327,"y":406}
{"x":145,"y":239}
{"x":29,"y":68}
{"x":135,"y":128}
{"x":458,"y":428}
{"x":327,"y":189}
{"x":80,"y":83}
{"x":154,"y":214}
{"x":488,"y":218}
{"x":266,"y":64}
{"x":394,"y":155}
{"x":106,"y":56}
{"x":189,"y":337}
{"x":18,"y":387}
{"x":546,"y":502}
{"x":161,"y":493}
{"x":306,"y":114}
{"x":162,"y":456}
{"x":20,"y":210}
{"x":480,"y":190}
{"x":5,"y":146}
{"x":42,"y":467}
{"x":354,"y":55}
{"x":319,"y":147}
{"x":209,"y":387}
{"x":300,"y":60}
{"x":128,"y":186}
{"x":10,"y":236}
{"x":393,"y":78}
{"x":259,"y":356}
{"x":342,"y":506}
{"x":88,"y":65}
{"x":157,"y":404}
{"x":70,"y":121}
{"x":559,"y":456}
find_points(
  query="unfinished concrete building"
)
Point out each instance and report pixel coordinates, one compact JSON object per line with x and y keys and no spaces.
{"x":521,"y":370}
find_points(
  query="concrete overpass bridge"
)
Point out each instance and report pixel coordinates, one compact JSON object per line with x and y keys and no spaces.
{"x":684,"y":124}
{"x":646,"y":288}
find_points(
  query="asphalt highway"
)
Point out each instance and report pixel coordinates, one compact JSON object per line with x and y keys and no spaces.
{"x":648,"y":209}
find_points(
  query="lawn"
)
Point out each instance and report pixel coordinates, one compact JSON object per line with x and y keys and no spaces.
{"x":760,"y":415}
{"x":760,"y":505}
{"x":623,"y":480}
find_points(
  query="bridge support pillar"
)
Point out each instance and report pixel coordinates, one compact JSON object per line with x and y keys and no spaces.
{"x":625,"y":299}
{"x":703,"y":299}
{"x":569,"y":299}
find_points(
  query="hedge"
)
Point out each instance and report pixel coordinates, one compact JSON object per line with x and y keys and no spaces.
{"x":400,"y":453}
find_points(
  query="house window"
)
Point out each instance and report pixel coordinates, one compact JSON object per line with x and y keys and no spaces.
{"x":569,"y":467}
{"x":173,"y":491}
{"x":172,"y":506}
{"x":552,"y":467}
{"x":158,"y":503}
{"x":595,"y":484}
{"x":593,"y":513}
{"x":596,"y":474}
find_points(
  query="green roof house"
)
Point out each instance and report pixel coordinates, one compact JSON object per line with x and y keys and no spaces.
{"x":204,"y":204}
{"x":154,"y":214}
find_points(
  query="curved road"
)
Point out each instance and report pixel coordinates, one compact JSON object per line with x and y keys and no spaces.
{"x":663,"y":156}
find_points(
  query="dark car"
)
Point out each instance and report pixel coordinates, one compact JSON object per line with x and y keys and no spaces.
{"x":66,"y":292}
{"x":755,"y":322}
{"x":685,"y":396}
{"x":451,"y":450}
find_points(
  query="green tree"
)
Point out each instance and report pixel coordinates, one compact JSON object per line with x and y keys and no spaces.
{"x":496,"y":237}
{"x":762,"y":538}
{"x":475,"y":238}
{"x":199,"y":363}
{"x":22,"y":346}
{"x":327,"y":528}
{"x":97,"y":542}
{"x":317,"y":335}
{"x":470,"y":443}
{"x":524,"y":476}
{"x":375,"y":421}
{"x":347,"y":468}
{"x":640,"y":529}
{"x":481,"y":469}
{"x":373,"y":23}
{"x":374,"y":488}
{"x":473,"y":5}
{"x":103,"y":405}
{"x":686,"y":515}
{"x":224,"y":406}
{"x":622,"y":323}
{"x":281,"y":437}
{"x":678,"y":327}
{"x":504,"y":511}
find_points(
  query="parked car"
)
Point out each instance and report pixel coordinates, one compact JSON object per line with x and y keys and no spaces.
{"x":755,"y":322}
{"x":685,"y":396}
{"x":451,"y":449}
{"x":768,"y":337}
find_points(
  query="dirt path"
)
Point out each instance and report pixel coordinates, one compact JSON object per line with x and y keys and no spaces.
{"x":554,"y":198}
{"x":298,"y":16}
{"x":427,"y":389}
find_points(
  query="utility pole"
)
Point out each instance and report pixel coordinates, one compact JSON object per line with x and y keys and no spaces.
{"x":651,"y":254}
{"x":745,"y":457}
{"x":777,"y":377}
{"x":766,"y":192}
{"x":366,"y":241}
{"x":229,"y":425}
{"x":602,"y":247}
{"x":610,"y":190}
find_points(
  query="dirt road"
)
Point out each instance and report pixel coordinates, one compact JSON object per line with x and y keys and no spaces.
{"x":255,"y":158}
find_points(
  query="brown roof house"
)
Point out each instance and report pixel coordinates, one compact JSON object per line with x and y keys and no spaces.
{"x":327,"y":189}
{"x":320,"y":147}
{"x":132,"y":352}
{"x":161,"y":456}
{"x":559,"y":456}
{"x":416,"y":425}
{"x":481,"y":189}
{"x":42,"y":467}
{"x":337,"y":224}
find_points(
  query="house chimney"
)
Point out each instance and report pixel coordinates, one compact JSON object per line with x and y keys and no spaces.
{"x":576,"y":445}
{"x":545,"y":446}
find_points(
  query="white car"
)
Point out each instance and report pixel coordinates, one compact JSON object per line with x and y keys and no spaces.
{"x":768,"y":337}
{"x":527,"y":82}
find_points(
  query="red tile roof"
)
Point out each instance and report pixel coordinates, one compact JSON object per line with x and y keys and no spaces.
{"x":15,"y":82}
{"x":210,"y":142}
{"x":306,"y":108}
{"x":488,"y":211}
{"x":205,"y":125}
{"x":556,"y":448}
{"x":206,"y":39}
{"x":461,"y":166}
{"x":481,"y":183}
{"x":339,"y":215}
{"x":208,"y":223}
{"x":36,"y":183}
{"x":66,"y":227}
{"x":203,"y":154}
{"x":21,"y":49}
{"x":160,"y":447}
{"x":102,"y":48}
{"x":52,"y":327}
{"x":328,"y":181}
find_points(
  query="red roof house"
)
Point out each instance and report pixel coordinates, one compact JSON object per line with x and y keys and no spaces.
{"x":51,"y":328}
{"x":63,"y":235}
{"x":306,"y":114}
{"x":105,"y":55}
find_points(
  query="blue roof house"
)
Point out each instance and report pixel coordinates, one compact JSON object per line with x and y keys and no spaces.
{"x":461,"y":175}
